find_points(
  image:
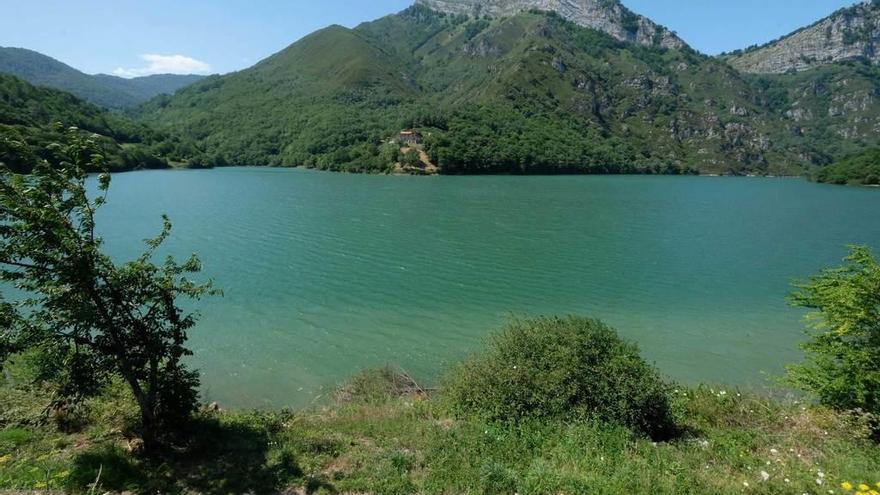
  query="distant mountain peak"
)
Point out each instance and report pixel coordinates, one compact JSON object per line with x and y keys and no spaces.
{"x":608,"y":16}
{"x":101,"y":89}
{"x":848,"y":34}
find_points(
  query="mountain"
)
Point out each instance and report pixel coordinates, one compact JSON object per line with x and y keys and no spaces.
{"x":530,"y":92}
{"x":509,"y":87}
{"x":30,"y":118}
{"x":103,"y":90}
{"x":608,"y":16}
{"x":848,"y":34}
{"x":859,"y":169}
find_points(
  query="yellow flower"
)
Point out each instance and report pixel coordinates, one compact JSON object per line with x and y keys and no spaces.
{"x":40,"y":485}
{"x":864,"y":488}
{"x":5,"y":458}
{"x":846,"y":485}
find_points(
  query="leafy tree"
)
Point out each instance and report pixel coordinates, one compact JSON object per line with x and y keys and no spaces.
{"x":571,"y":369}
{"x":843,"y":352}
{"x":92,"y":320}
{"x":411,"y":158}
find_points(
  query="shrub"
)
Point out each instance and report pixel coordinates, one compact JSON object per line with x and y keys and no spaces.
{"x":843,"y":351}
{"x":571,"y":369}
{"x":378,"y":385}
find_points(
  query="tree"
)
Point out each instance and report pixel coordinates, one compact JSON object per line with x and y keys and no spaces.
{"x":411,"y":158}
{"x":843,"y":351}
{"x":92,"y":320}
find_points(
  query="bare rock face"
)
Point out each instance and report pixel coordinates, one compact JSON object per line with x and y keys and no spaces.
{"x":608,"y":16}
{"x":845,"y":35}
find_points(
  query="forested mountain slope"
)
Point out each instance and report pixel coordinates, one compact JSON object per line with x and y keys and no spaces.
{"x":531,"y":92}
{"x":32,"y":117}
{"x":527,"y":93}
{"x":103,"y":90}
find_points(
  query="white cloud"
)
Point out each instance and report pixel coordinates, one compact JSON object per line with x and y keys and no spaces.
{"x":166,"y":64}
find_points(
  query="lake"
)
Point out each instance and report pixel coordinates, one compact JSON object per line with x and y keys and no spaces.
{"x":325,"y":274}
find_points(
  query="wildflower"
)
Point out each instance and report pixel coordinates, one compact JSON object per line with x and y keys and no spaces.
{"x":40,"y":485}
{"x":846,"y":485}
{"x":746,"y":484}
{"x":864,"y":488}
{"x":774,"y":451}
{"x":5,"y":458}
{"x":765,"y":475}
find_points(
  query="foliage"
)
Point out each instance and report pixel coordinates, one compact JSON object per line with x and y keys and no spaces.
{"x":28,"y":124}
{"x":843,"y":352}
{"x":861,"y":168}
{"x":107,"y":91}
{"x":569,"y":369}
{"x":525,"y":94}
{"x":91,"y":319}
{"x":403,"y":446}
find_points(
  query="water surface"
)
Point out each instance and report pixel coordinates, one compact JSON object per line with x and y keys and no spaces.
{"x":325,"y":274}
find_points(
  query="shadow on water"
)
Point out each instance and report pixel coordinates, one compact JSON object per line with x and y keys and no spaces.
{"x":221,"y":458}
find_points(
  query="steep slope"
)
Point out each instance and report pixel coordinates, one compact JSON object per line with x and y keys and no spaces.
{"x":607,"y":16}
{"x":527,"y":93}
{"x":107,"y":91}
{"x":848,"y":34}
{"x":859,"y":169}
{"x":32,"y":117}
{"x":322,"y":101}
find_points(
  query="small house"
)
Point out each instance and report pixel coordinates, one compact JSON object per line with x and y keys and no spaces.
{"x":409,"y":136}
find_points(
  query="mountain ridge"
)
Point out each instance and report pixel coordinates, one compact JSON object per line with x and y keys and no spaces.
{"x":608,"y":16}
{"x":105,"y":90}
{"x":850,"y":33}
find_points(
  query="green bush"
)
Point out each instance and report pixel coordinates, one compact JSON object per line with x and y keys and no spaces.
{"x":843,"y":350}
{"x":571,"y":369}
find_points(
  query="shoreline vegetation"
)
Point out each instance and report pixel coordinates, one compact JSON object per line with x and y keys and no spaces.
{"x":96,"y":396}
{"x":383,"y":433}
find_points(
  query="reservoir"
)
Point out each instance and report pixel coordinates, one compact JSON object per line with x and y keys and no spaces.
{"x":325,"y":274}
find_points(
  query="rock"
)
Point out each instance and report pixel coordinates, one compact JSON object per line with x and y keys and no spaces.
{"x":848,"y":34}
{"x":608,"y":16}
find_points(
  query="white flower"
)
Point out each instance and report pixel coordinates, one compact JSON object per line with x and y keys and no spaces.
{"x":774,"y":451}
{"x":765,"y":475}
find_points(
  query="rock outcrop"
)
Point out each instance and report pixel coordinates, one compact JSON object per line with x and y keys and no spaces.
{"x":608,"y":16}
{"x":848,"y":34}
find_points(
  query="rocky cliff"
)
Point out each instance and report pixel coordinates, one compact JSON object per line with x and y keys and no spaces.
{"x":848,"y":34}
{"x":608,"y":16}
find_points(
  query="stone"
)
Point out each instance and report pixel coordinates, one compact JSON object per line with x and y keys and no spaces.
{"x":608,"y":16}
{"x":848,"y":34}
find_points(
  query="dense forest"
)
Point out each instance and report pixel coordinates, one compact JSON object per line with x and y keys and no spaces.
{"x":110,"y":92}
{"x":33,"y":117}
{"x":859,"y":169}
{"x":531,"y":93}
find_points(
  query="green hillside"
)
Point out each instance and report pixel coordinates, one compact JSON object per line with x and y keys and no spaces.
{"x":30,"y":118}
{"x":103,"y":90}
{"x":859,"y":169}
{"x":531,"y":93}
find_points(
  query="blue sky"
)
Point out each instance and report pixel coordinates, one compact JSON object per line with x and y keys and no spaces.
{"x":138,"y":37}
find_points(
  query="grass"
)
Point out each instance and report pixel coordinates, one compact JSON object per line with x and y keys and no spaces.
{"x":405,"y":442}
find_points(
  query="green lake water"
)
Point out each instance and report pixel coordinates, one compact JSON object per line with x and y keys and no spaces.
{"x":325,"y":274}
